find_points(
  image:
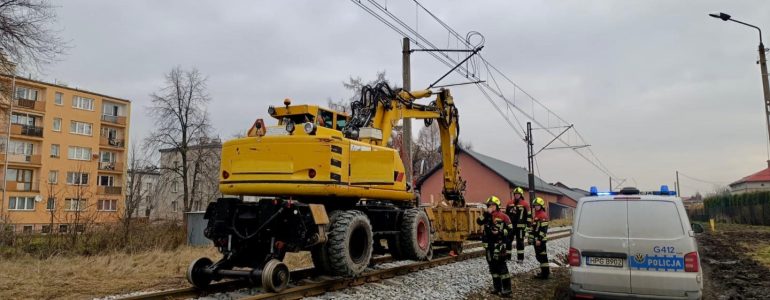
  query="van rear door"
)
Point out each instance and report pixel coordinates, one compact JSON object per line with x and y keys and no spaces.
{"x":658,"y":244}
{"x":601,"y":236}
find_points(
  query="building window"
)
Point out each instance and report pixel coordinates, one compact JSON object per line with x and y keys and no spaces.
{"x":77,"y":178}
{"x":107,"y":157}
{"x":58,"y":99}
{"x":63,"y":228}
{"x":79,"y":153}
{"x":173,"y":206}
{"x":21,"y":178}
{"x":45,"y":229}
{"x":27,"y":228}
{"x":21,"y":148}
{"x":107,"y":205}
{"x":26,"y":93}
{"x":174,"y":187}
{"x":73,"y":204}
{"x":50,"y":204}
{"x":21,"y":203}
{"x":82,"y":103}
{"x":53,"y":176}
{"x":106,"y":180}
{"x":80,"y":228}
{"x":22,"y":119}
{"x":56,"y":124}
{"x":81,"y":128}
{"x":55,"y":150}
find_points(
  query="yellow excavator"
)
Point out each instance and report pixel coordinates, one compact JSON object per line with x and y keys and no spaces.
{"x":331,"y":184}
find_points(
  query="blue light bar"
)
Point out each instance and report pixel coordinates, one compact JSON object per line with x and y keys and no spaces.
{"x":594,"y":191}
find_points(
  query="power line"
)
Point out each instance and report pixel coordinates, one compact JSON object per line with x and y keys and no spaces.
{"x":701,"y":180}
{"x":471,"y":71}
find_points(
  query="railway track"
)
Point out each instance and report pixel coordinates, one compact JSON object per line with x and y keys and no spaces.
{"x":307,"y":284}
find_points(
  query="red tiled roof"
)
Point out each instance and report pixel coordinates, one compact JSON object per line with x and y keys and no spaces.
{"x":760,"y":176}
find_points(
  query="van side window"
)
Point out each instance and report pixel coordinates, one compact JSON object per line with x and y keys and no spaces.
{"x":604,"y":219}
{"x":654,"y":219}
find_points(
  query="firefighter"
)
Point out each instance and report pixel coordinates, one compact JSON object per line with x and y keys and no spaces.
{"x":540,"y":237}
{"x":497,"y":233}
{"x":521,"y":216}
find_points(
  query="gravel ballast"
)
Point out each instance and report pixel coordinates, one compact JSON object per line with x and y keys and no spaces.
{"x":451,"y":281}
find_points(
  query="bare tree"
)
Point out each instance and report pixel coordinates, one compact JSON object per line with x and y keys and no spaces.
{"x":137,"y":170}
{"x":79,"y":211}
{"x":427,"y":153}
{"x":181,"y":119}
{"x":25,"y":37}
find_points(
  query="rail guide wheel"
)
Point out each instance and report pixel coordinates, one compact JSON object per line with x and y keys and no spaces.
{"x":275,"y":276}
{"x":196,"y":273}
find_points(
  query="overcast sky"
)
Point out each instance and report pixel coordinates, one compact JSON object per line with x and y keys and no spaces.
{"x":653,"y":86}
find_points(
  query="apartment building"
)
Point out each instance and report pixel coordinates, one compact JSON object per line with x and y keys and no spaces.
{"x":63,"y":151}
{"x":203,"y":162}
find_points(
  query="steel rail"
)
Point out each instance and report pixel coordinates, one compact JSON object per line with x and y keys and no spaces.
{"x":325,"y":285}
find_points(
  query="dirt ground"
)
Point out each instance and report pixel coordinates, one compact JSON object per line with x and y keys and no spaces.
{"x":103,"y":275}
{"x":526,"y":287}
{"x":735,"y":261}
{"x":732,"y":262}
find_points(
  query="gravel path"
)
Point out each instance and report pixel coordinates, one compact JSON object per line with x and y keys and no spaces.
{"x":452,"y":281}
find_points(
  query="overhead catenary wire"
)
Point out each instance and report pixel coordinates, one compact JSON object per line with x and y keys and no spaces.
{"x":470,"y":70}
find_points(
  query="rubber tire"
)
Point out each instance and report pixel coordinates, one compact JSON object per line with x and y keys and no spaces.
{"x":319,"y":253}
{"x":341,"y":234}
{"x":195,"y":275}
{"x":413,"y":244}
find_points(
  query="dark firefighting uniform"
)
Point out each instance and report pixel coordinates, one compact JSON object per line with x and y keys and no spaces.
{"x":497,"y":233}
{"x":540,"y":233}
{"x":521,"y":217}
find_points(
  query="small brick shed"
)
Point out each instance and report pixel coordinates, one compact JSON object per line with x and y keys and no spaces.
{"x":486,"y":176}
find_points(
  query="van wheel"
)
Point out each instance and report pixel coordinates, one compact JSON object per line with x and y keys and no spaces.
{"x":350,"y":243}
{"x":415,"y":234}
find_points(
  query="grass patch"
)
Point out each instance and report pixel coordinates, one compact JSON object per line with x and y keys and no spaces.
{"x":762,"y":254}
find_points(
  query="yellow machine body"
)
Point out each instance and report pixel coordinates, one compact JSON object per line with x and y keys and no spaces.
{"x":323,"y":163}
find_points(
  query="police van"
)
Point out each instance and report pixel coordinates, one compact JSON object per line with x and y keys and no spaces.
{"x":634,"y":245}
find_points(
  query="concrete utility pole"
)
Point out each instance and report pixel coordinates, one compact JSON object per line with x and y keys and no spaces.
{"x":762,"y":67}
{"x":678,"y":191}
{"x":530,"y":164}
{"x":406,"y":140}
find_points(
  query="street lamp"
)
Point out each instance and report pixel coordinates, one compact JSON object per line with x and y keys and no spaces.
{"x":762,"y":65}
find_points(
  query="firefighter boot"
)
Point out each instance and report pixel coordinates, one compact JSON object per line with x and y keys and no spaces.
{"x":497,"y":284}
{"x":505,"y":291}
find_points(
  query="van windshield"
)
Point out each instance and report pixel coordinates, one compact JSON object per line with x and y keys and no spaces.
{"x":654,"y":219}
{"x":606,"y":219}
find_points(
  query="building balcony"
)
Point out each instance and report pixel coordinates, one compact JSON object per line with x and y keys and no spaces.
{"x":27,"y":130}
{"x":15,"y":186}
{"x":111,"y":166}
{"x":108,"y":142}
{"x":109,"y":190}
{"x":118,"y":120}
{"x":34,"y":159}
{"x":29,"y":104}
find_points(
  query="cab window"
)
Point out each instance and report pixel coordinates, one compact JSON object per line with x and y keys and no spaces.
{"x":342,"y":121}
{"x":326,"y":118}
{"x":297,"y":119}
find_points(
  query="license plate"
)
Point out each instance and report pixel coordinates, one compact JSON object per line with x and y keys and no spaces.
{"x":605,"y":261}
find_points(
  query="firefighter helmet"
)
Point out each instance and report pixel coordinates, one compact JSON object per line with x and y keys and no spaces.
{"x":493,"y":200}
{"x":539,"y":201}
{"x":519,"y":191}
